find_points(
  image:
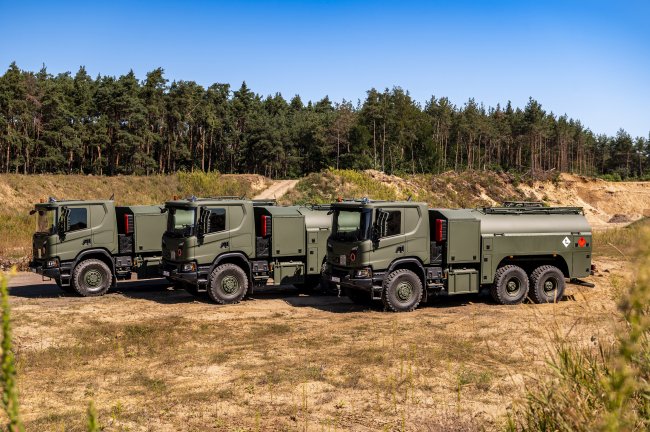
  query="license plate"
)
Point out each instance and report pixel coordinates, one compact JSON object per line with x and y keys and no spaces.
{"x":165,"y":273}
{"x":342,"y":260}
{"x":336,"y":279}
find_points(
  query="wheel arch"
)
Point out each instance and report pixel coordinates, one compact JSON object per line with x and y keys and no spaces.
{"x":99,"y":254}
{"x":530,"y":262}
{"x":238,"y":259}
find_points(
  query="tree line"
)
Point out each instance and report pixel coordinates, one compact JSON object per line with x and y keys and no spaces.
{"x":121,"y":125}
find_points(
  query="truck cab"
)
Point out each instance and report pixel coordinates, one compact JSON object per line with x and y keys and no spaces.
{"x":403,"y":252}
{"x":85,"y":246}
{"x":227,"y":246}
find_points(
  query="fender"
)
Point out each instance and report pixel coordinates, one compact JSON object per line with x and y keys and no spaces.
{"x":415,"y":261}
{"x":87,"y":252}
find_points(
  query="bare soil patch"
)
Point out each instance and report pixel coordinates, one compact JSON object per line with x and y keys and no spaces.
{"x":152,"y":358}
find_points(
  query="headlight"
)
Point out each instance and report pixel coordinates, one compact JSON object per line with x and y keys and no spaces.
{"x":187,"y":267}
{"x":52,"y":263}
{"x":365,"y":272}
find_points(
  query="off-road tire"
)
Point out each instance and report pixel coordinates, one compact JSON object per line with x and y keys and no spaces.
{"x":65,"y":288}
{"x":506,"y":279}
{"x":92,"y":278}
{"x":228,"y":284}
{"x":359,"y":297}
{"x":547,"y":284}
{"x":402,"y":291}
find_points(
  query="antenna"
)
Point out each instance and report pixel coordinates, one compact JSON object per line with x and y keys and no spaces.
{"x":112,"y":197}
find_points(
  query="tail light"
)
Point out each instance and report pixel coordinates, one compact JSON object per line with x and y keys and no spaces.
{"x":265,"y":226}
{"x":128,"y":224}
{"x":441,"y":230}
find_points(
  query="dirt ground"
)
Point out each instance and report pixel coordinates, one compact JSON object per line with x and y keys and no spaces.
{"x":155,"y":359}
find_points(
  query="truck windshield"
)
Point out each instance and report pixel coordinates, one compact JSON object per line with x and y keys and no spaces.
{"x":181,"y":221}
{"x":351,"y":225}
{"x":46,"y":221}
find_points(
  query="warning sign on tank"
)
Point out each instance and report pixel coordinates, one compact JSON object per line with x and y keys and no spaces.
{"x":566,"y":242}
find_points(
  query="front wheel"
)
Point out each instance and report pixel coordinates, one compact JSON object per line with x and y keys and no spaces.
{"x":92,"y":278}
{"x":402,"y":291}
{"x":228,"y":284}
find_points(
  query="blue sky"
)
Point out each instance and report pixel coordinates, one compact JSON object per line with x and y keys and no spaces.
{"x":588,"y":59}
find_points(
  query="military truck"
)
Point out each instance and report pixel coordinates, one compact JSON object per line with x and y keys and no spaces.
{"x":403,"y":253}
{"x":86,"y":246}
{"x":227,"y":246}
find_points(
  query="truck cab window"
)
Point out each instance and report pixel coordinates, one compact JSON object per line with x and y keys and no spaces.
{"x":217,"y":220}
{"x":78,"y":218}
{"x":393,"y":223}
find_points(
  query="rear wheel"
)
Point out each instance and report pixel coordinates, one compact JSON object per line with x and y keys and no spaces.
{"x":228,"y":284}
{"x":547,"y":284}
{"x":92,"y":278}
{"x":510,"y":285}
{"x":402,"y":291}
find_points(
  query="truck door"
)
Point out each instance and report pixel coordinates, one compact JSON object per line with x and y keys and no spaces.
{"x":216,"y":237}
{"x":78,"y":236}
{"x":391,"y":244}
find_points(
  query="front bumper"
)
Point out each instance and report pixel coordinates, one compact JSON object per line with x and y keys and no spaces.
{"x":344,"y":278}
{"x":38,"y":267}
{"x":173,"y":271}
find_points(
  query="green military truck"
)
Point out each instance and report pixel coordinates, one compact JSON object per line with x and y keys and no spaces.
{"x":226,"y":246}
{"x":86,"y":246}
{"x":403,"y":252}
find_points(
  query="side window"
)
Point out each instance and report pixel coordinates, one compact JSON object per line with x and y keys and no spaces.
{"x":393,"y":223}
{"x":78,"y":218}
{"x":216,"y":220}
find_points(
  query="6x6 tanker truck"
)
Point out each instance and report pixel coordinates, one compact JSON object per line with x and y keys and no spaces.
{"x":403,"y":252}
{"x":86,"y":246}
{"x":226,"y":246}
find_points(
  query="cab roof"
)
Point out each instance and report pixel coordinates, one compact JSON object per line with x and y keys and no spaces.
{"x":52,"y":203}
{"x":368,"y":203}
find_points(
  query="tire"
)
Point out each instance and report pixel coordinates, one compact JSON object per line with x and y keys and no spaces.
{"x":228,"y":284}
{"x":67,"y":288}
{"x":402,"y":291}
{"x":510,"y":285}
{"x":547,"y":284}
{"x":92,"y":278}
{"x":359,"y":297}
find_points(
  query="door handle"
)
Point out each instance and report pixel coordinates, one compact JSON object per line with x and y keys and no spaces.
{"x":400,"y":249}
{"x":224,"y":245}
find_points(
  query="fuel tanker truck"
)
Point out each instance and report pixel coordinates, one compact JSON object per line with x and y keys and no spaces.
{"x":226,"y":246}
{"x":403,"y":253}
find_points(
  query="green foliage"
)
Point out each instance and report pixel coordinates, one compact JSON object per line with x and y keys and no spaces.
{"x":121,"y":125}
{"x":8,"y":378}
{"x":601,"y":388}
{"x":92,"y":424}
{"x":202,"y":184}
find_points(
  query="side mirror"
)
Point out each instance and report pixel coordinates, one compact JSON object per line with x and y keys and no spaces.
{"x":380,"y":227}
{"x":203,"y":225}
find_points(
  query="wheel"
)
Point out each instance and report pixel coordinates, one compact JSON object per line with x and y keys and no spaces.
{"x":402,"y":291}
{"x":547,"y":284}
{"x":92,"y":278}
{"x":228,"y":284}
{"x":510,"y":285}
{"x":67,"y":288}
{"x":359,"y":297}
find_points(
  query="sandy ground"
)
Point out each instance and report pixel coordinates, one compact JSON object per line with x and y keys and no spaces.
{"x":277,"y":189}
{"x":155,"y":359}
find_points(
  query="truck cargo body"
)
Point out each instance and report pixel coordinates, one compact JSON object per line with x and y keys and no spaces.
{"x":455,"y":251}
{"x":118,"y":241}
{"x":246,"y":240}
